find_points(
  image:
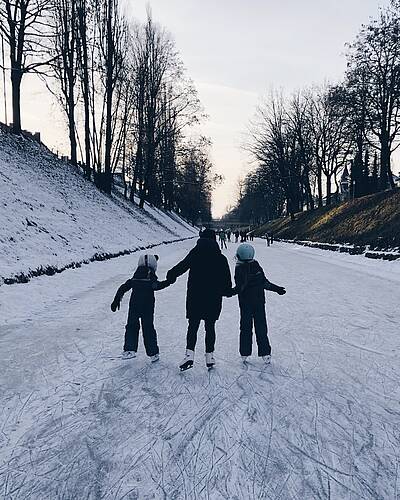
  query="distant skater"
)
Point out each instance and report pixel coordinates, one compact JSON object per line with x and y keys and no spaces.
{"x":222,"y":239}
{"x":141,"y":307}
{"x":209,"y":280}
{"x":250,"y":283}
{"x":237,"y":234}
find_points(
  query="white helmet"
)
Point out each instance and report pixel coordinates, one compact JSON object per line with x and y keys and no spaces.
{"x":245,"y":252}
{"x":149,"y":261}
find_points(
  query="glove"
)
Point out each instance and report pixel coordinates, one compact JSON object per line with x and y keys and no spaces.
{"x":115,"y":305}
{"x":281,"y":291}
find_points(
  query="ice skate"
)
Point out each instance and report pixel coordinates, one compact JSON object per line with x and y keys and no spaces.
{"x":210,"y":360}
{"x":267,"y":359}
{"x":155,"y":358}
{"x":187,"y":361}
{"x":244,"y":359}
{"x":128,"y":354}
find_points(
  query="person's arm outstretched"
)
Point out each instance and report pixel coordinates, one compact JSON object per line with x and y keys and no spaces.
{"x":116,"y":303}
{"x":160,"y":285}
{"x":180,"y":268}
{"x":280,"y":290}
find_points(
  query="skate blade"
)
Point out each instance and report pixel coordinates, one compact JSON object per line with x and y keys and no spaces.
{"x":186,"y":366}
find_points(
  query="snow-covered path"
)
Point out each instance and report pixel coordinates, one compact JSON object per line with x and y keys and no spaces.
{"x":322,"y":422}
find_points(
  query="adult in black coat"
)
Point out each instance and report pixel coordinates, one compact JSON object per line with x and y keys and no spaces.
{"x":209,"y":280}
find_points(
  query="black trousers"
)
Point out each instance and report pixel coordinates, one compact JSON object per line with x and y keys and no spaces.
{"x":193,"y":328}
{"x":250,"y":314}
{"x":145,"y":316}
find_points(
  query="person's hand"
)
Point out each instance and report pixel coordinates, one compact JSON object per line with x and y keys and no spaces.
{"x":170,"y":278}
{"x":281,"y":290}
{"x":115,"y":305}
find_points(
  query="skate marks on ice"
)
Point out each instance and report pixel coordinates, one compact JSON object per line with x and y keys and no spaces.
{"x":146,"y":431}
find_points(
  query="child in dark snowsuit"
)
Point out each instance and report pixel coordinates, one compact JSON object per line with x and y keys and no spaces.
{"x":250,"y":284}
{"x":141,"y":307}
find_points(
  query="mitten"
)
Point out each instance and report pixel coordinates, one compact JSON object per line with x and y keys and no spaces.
{"x":115,"y":305}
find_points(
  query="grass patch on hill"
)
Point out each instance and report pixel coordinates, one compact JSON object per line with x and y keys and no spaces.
{"x":371,"y":220}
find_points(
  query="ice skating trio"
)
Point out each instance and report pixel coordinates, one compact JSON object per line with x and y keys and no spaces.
{"x":208,"y":282}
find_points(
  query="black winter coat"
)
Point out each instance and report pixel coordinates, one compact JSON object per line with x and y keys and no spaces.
{"x":209,"y":280}
{"x":251,"y":282}
{"x":143,"y":285}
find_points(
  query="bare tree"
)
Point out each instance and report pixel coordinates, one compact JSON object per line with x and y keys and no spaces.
{"x":375,"y":57}
{"x":25,"y":29}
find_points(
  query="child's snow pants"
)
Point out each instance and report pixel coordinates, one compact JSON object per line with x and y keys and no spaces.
{"x":144,"y":315}
{"x":249,"y":314}
{"x":193,"y":328}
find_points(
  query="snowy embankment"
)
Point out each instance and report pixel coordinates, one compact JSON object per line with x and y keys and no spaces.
{"x":51,"y":218}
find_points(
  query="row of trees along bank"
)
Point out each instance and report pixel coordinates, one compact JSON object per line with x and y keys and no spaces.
{"x":304,"y":145}
{"x":124,"y":93}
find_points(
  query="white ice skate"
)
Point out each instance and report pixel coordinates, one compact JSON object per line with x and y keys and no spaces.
{"x":267,"y":359}
{"x":245,"y":359}
{"x":210,"y":360}
{"x":155,"y":358}
{"x":128,"y":354}
{"x":187,"y":360}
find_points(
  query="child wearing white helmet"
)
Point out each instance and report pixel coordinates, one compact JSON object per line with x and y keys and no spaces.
{"x":141,"y":307}
{"x":250,"y":284}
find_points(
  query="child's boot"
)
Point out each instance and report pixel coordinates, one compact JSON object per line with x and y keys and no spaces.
{"x":187,"y":360}
{"x":210,"y":360}
{"x":128,"y":354}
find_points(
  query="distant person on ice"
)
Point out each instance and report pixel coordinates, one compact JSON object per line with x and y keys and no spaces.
{"x":209,"y":280}
{"x":222,"y":239}
{"x":141,"y":307}
{"x":250,"y":283}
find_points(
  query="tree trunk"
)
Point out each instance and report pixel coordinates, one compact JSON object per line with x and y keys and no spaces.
{"x":85,"y":85}
{"x":71,"y":123}
{"x":16,"y":78}
{"x":109,"y":96}
{"x":319,"y":188}
{"x":328,"y":190}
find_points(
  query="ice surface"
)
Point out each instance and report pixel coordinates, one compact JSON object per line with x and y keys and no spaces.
{"x":323,"y":421}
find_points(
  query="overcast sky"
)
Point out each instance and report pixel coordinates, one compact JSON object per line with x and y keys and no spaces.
{"x":235,"y":51}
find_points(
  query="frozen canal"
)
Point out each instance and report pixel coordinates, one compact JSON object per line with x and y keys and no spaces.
{"x":323,"y":421}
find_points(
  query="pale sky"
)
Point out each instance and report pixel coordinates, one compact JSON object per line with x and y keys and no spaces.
{"x":236,"y":51}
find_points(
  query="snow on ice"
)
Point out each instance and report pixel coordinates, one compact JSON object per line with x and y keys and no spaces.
{"x":323,"y":421}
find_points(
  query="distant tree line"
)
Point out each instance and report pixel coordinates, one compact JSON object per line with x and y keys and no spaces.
{"x":303,"y":145}
{"x":126,"y":98}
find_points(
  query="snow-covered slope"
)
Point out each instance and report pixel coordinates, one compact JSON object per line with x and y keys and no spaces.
{"x":51,"y":216}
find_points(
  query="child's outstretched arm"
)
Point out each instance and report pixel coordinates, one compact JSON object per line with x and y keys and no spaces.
{"x":116,"y":303}
{"x":274,"y":288}
{"x":160,"y":285}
